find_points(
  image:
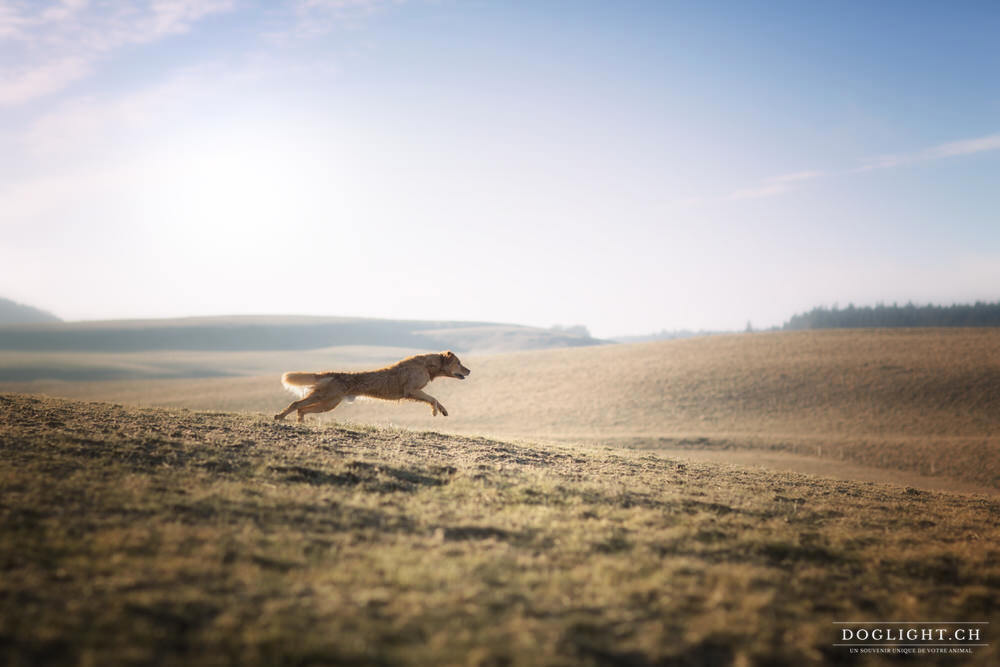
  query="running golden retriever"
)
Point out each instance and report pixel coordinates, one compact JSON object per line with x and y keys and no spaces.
{"x":404,"y":379}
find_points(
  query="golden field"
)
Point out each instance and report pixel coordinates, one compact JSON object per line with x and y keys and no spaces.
{"x":925,"y":401}
{"x":174,"y":537}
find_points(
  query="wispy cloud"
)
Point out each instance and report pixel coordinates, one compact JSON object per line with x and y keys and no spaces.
{"x":775,"y":186}
{"x":41,"y":79}
{"x":63,"y":42}
{"x":20,"y":21}
{"x":315,"y":18}
{"x":990,"y":142}
{"x":343,"y":8}
{"x":779,"y":185}
{"x":82,"y":124}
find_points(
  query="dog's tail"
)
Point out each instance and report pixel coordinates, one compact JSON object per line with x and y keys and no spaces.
{"x":300,"y":383}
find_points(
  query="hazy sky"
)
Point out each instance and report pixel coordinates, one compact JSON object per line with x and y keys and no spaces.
{"x":630,"y":166}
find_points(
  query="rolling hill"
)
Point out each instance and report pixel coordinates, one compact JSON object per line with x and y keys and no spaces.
{"x":251,"y":332}
{"x":12,"y":312}
{"x":232,"y":346}
{"x":139,"y":536}
{"x":926,"y":401}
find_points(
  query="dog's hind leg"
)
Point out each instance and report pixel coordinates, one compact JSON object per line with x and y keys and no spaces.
{"x":293,"y":406}
{"x":284,"y":413}
{"x":318,"y":406}
{"x":418,"y":395}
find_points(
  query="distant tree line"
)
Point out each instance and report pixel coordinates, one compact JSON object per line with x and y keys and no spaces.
{"x":978,"y":314}
{"x":573,"y":330}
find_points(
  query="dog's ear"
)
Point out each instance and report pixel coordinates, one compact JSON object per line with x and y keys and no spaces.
{"x":448,"y":355}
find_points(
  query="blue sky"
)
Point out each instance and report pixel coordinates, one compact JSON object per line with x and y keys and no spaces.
{"x":630,"y":166}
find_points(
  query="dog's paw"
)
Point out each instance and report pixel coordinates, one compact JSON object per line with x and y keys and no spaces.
{"x":444,"y":413}
{"x":278,"y":417}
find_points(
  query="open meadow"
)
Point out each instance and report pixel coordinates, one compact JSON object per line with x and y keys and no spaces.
{"x":618,"y":504}
{"x":919,"y":401}
{"x":142,"y":536}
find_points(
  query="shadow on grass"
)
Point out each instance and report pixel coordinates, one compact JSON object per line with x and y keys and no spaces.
{"x":373,"y":478}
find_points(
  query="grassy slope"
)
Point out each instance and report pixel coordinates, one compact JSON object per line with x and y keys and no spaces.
{"x":926,"y":401}
{"x":140,"y":368}
{"x":218,"y":346}
{"x":12,"y":312}
{"x":200,"y":538}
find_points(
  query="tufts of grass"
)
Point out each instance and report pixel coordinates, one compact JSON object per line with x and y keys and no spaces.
{"x":176,"y":537}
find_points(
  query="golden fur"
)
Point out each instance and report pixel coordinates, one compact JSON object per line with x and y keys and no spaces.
{"x":404,"y":379}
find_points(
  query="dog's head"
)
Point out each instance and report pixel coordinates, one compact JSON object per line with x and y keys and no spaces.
{"x":452,"y":367}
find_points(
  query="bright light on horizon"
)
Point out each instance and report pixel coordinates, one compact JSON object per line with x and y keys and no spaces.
{"x":498,"y":162}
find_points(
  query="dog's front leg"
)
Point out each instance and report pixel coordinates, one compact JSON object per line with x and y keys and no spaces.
{"x":418,"y":395}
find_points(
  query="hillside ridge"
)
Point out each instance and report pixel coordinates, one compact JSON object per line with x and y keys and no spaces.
{"x":12,"y":312}
{"x":923,"y":401}
{"x":134,"y":535}
{"x":270,"y":333}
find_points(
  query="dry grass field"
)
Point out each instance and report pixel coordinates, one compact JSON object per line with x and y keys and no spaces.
{"x":141,"y":536}
{"x":923,"y":401}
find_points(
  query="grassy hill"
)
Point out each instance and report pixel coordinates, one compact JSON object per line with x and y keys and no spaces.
{"x":205,"y":347}
{"x":133,"y":536}
{"x":251,"y":332}
{"x":12,"y":312}
{"x":926,"y":401}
